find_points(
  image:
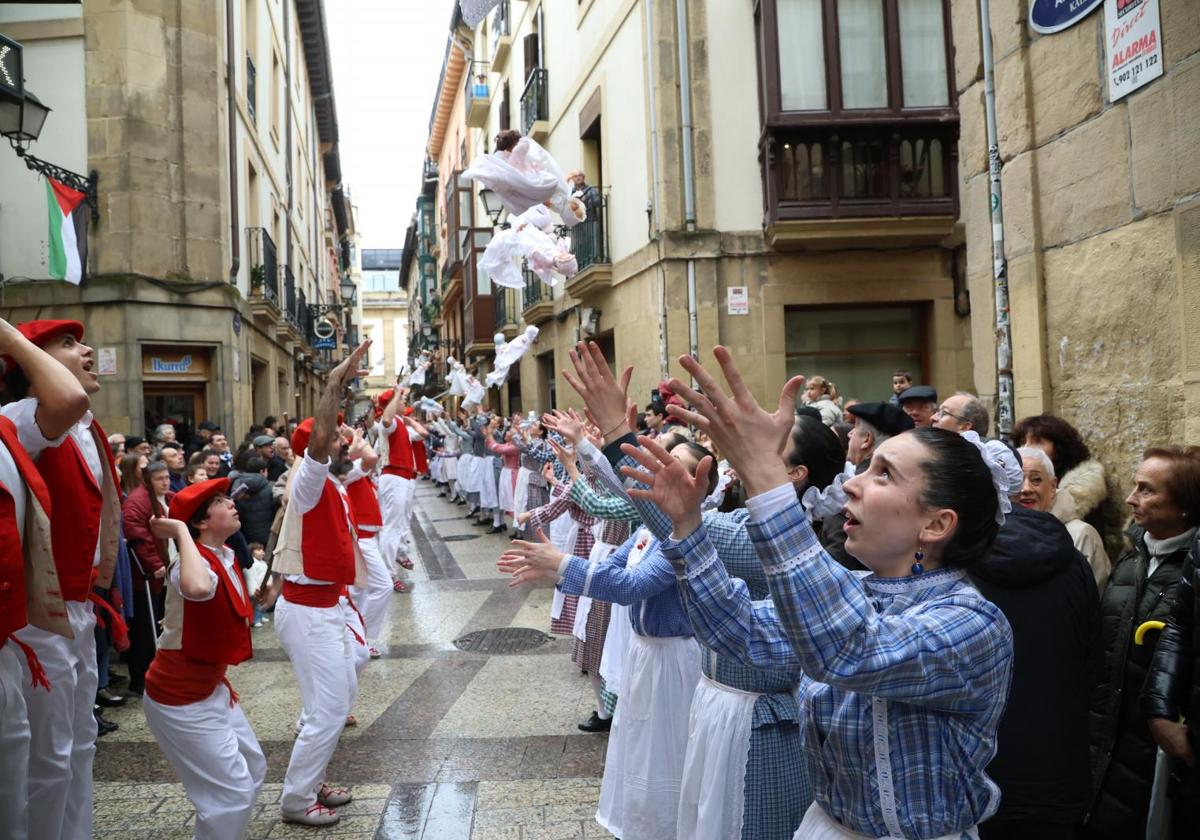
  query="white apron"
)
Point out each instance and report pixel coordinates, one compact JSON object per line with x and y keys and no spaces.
{"x":521,"y":493}
{"x":562,"y":535}
{"x":643,"y":768}
{"x":466,"y":472}
{"x":505,"y":491}
{"x":712,"y":801}
{"x":600,"y":552}
{"x":485,"y":482}
{"x":620,"y":628}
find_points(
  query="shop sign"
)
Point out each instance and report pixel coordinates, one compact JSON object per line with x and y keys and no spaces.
{"x":12,"y":76}
{"x":158,"y":365}
{"x":738,"y":300}
{"x":1049,"y":16}
{"x":1132,"y":44}
{"x":325,"y":344}
{"x":166,"y":363}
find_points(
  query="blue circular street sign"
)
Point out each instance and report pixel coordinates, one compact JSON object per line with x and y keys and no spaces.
{"x":1047,"y":16}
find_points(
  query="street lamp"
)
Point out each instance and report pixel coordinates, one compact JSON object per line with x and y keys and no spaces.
{"x":492,"y":205}
{"x":348,"y":289}
{"x":21,"y":120}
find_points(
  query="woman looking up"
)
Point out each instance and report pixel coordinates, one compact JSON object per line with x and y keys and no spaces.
{"x":906,"y":668}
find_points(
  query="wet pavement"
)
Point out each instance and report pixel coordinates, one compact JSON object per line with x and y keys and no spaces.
{"x":449,"y":743}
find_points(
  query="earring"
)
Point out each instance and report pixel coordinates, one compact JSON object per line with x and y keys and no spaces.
{"x":917,"y":568}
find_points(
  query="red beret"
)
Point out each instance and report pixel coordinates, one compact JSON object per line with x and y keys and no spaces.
{"x":301,"y":435}
{"x":408,"y":411}
{"x":386,"y":397}
{"x":191,"y":498}
{"x":40,"y":332}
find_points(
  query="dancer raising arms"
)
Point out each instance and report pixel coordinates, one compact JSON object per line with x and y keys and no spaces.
{"x":889,"y":657}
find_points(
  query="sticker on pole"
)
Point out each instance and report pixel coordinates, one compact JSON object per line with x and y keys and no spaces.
{"x":1050,"y":16}
{"x":1132,"y":45}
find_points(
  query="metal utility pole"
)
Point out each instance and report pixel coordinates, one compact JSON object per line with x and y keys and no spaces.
{"x":1004,"y":377}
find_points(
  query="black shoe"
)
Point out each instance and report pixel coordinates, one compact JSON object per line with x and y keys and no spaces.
{"x":115,"y":679}
{"x":461,"y":502}
{"x":498,"y":529}
{"x":103,"y":727}
{"x":596,"y":724}
{"x":107,"y":699}
{"x":134,"y":691}
{"x":482,"y":522}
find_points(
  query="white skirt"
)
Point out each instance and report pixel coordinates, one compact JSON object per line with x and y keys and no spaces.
{"x":466,"y":473}
{"x":485,"y":482}
{"x":817,"y":825}
{"x":563,"y":543}
{"x":521,"y":493}
{"x":435,"y":470}
{"x":616,"y":643}
{"x":712,"y":801}
{"x":600,"y":552}
{"x":643,"y":769}
{"x":450,"y":468}
{"x":505,"y":491}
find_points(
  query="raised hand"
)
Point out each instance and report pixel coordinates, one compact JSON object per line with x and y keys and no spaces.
{"x":669,"y":485}
{"x":750,"y":438}
{"x":351,"y":366}
{"x":570,"y":426}
{"x":566,"y":458}
{"x":166,"y":529}
{"x":528,"y":561}
{"x":606,"y":397}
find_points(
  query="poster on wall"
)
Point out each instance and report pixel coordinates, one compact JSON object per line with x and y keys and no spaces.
{"x":738,"y":300}
{"x":1133,"y":45}
{"x":106,"y":361}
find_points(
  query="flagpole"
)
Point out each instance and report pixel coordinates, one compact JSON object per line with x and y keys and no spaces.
{"x":74,"y":180}
{"x":1005,"y":411}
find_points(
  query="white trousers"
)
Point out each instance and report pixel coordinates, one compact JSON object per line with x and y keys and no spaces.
{"x":14,"y":745}
{"x":214,"y":752}
{"x":372,"y":600}
{"x":62,"y":727}
{"x":395,"y":501}
{"x":318,"y":643}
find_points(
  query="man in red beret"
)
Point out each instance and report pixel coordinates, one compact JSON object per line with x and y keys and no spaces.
{"x":397,"y":482}
{"x":191,"y":709}
{"x":31,"y":598}
{"x":317,"y":554}
{"x":76,"y":464}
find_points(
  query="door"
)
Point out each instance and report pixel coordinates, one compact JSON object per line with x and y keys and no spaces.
{"x":182,"y":405}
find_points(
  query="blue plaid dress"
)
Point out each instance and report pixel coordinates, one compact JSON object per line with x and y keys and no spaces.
{"x":915,"y":670}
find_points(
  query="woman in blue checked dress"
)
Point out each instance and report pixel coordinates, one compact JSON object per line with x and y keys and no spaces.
{"x":907,"y":667}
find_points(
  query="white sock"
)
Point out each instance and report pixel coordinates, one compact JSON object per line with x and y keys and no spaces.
{"x":497,"y":518}
{"x":601,"y":712}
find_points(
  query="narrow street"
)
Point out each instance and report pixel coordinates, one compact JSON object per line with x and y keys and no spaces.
{"x":449,"y":743}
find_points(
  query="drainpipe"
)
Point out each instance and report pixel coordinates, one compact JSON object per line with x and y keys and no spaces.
{"x":1005,"y":410}
{"x":689,"y":181}
{"x":235,"y":245}
{"x":652,"y":209}
{"x":287,"y":116}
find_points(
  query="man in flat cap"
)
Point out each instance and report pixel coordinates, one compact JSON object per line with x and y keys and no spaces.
{"x":920,"y":402}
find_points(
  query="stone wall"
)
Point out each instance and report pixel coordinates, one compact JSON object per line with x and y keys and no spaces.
{"x":1102,"y":229}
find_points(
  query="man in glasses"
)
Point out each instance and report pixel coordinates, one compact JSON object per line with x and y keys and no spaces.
{"x":962,"y":412}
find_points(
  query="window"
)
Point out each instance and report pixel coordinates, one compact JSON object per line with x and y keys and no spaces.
{"x":856,"y":348}
{"x":859,"y":116}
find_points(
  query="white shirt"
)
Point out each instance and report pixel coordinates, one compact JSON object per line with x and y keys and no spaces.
{"x":228,"y":560}
{"x":11,"y":478}
{"x":23,"y":414}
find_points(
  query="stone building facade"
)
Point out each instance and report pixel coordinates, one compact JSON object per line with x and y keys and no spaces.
{"x":844,"y":260}
{"x":221,"y":215}
{"x":1102,"y":226}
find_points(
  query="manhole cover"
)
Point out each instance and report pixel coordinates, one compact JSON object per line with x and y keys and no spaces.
{"x":502,"y":640}
{"x":460,"y":537}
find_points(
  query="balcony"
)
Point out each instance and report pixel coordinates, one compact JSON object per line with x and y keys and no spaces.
{"x":880,"y":184}
{"x":264,"y":274}
{"x":535,"y":105}
{"x":290,"y":326}
{"x":251,"y":89}
{"x":501,"y":34}
{"x":508,"y":311}
{"x":478,"y":96}
{"x":539,"y":305}
{"x":589,"y":239}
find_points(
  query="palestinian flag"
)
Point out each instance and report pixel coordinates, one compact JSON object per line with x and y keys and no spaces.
{"x":67,"y":259}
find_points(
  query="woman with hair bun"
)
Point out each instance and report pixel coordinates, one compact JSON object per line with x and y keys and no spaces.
{"x":906,"y":668}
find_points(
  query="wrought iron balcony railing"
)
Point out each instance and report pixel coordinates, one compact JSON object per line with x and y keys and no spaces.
{"x":535,"y":101}
{"x":589,"y":238}
{"x":264,"y":267}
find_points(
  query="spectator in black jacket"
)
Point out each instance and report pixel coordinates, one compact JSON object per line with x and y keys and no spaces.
{"x":1046,"y":591}
{"x":256,"y":505}
{"x":1165,"y":503}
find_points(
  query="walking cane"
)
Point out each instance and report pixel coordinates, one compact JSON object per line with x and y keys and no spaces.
{"x":1158,"y":818}
{"x":149,"y":597}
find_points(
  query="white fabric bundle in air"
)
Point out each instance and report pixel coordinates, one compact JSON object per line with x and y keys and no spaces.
{"x":475,"y":392}
{"x":501,"y":260}
{"x":509,"y":353}
{"x":525,"y":177}
{"x":458,"y":378}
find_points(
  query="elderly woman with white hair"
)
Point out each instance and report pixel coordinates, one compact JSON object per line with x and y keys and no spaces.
{"x":1040,"y":492}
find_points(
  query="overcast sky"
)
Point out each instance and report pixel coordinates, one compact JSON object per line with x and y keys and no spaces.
{"x":386,"y":58}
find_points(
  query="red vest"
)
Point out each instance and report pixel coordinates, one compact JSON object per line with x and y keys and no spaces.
{"x":400,"y":453}
{"x":420,"y":457}
{"x":13,"y":614}
{"x":327,"y":544}
{"x":216,"y":634}
{"x":72,"y":488}
{"x":364,"y":503}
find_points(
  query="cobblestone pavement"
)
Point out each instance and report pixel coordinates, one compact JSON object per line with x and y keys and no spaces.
{"x":449,"y":744}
